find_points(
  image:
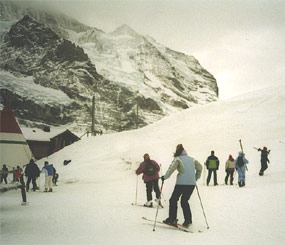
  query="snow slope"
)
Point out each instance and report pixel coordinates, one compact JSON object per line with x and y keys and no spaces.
{"x":92,"y":203}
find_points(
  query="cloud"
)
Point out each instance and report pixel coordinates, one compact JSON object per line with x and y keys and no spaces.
{"x":246,"y":60}
{"x":241,"y":42}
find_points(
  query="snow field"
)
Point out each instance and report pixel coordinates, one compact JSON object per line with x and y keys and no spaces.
{"x":92,"y":204}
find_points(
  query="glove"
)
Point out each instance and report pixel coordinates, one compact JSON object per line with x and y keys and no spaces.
{"x":162,"y":178}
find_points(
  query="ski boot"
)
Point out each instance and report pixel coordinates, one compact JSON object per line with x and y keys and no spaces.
{"x":168,"y":221}
{"x":148,"y":204}
{"x":187,"y":223}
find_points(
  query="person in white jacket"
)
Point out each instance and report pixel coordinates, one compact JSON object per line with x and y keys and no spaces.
{"x":48,"y":171}
{"x":189,"y":171}
{"x":230,"y":169}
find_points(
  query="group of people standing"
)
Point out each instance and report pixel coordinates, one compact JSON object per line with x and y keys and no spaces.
{"x":189,"y":171}
{"x":238,"y":164}
{"x":32,"y":172}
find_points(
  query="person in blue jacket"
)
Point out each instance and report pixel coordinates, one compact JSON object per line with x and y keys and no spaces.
{"x":240,"y":165}
{"x":48,"y":170}
{"x":189,"y":170}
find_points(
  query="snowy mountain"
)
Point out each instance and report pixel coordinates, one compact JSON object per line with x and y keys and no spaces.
{"x":124,"y":70}
{"x":173,"y":79}
{"x":96,"y":189}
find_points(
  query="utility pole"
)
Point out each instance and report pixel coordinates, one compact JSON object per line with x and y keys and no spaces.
{"x":93,"y":116}
{"x":137,"y":112}
{"x":137,"y":115}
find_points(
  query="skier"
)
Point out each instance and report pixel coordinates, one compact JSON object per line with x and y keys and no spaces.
{"x":230,"y":168}
{"x":4,"y":174}
{"x":18,"y":173}
{"x":240,"y":162}
{"x":150,"y":170}
{"x":48,"y":170}
{"x":189,"y":170}
{"x":32,"y":171}
{"x":264,"y":160}
{"x":212,"y":165}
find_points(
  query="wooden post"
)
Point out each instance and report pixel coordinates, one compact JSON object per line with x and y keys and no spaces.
{"x":23,"y":191}
{"x":93,"y":117}
{"x":137,"y":116}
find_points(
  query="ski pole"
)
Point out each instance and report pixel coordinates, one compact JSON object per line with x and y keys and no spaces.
{"x":202,"y":207}
{"x":136,"y":191}
{"x":157,"y":207}
{"x":204,"y":174}
{"x":160,"y":172}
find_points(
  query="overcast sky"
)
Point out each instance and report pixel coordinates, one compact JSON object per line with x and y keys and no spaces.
{"x":241,"y":42}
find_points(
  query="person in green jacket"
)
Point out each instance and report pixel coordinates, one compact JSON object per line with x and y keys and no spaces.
{"x":212,"y":165}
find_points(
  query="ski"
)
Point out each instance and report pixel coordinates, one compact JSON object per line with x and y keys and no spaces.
{"x":142,"y":205}
{"x":178,"y":227}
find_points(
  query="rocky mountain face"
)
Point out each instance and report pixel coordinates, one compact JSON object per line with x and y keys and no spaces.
{"x":64,"y":63}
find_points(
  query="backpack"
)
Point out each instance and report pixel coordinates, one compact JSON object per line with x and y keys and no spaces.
{"x":240,"y":162}
{"x":150,"y":169}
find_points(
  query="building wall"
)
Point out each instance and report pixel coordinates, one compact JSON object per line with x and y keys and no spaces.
{"x":39,"y":149}
{"x":42,"y":149}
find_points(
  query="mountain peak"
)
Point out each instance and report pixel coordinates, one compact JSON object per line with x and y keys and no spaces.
{"x":28,"y":18}
{"x":125,"y":30}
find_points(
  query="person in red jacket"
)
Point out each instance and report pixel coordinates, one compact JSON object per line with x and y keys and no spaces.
{"x":18,"y":173}
{"x":150,"y":169}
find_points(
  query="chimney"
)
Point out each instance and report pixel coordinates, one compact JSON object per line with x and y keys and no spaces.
{"x":46,"y":129}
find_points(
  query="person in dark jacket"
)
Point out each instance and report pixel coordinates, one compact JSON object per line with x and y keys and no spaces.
{"x":151,"y":180}
{"x":32,"y":171}
{"x":264,"y":160}
{"x":55,"y":175}
{"x":189,"y":171}
{"x":212,"y":164}
{"x":4,"y":174}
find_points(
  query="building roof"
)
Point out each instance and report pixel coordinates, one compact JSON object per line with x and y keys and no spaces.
{"x":36,"y":134}
{"x":14,"y":149}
